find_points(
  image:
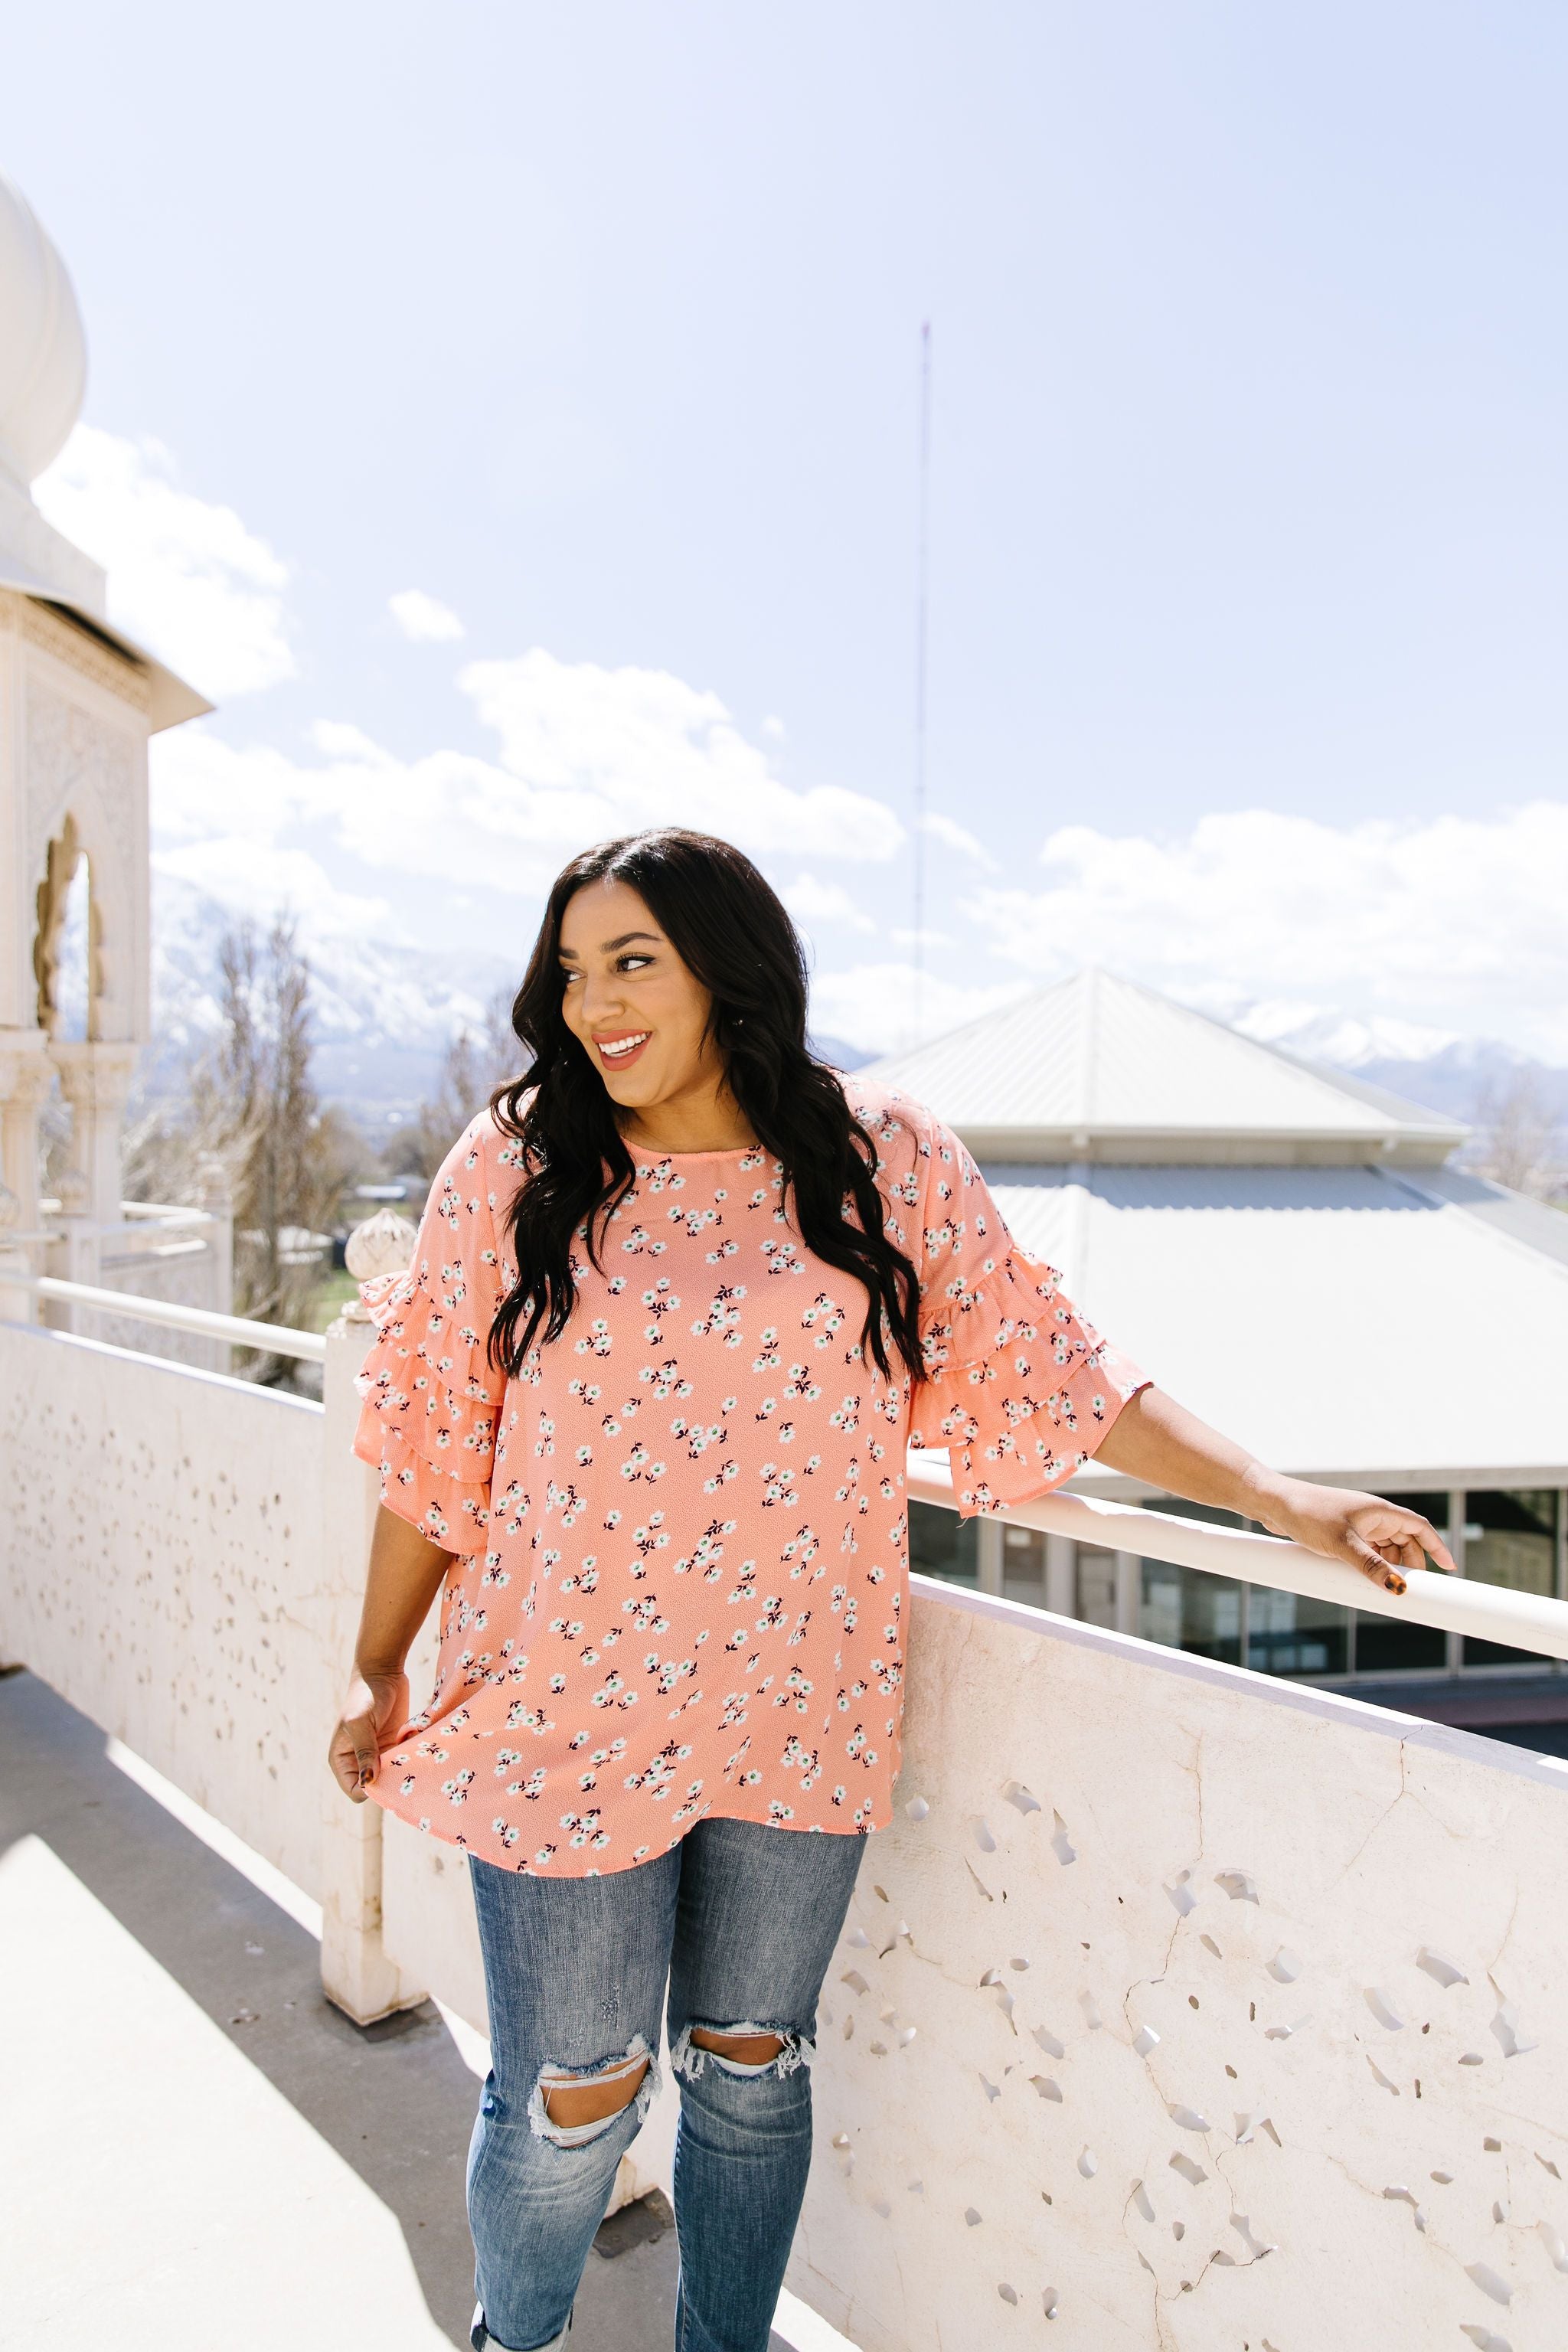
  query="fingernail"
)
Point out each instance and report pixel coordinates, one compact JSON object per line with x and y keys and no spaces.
{"x":1395,"y":1583}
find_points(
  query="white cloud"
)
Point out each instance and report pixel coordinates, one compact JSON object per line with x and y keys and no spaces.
{"x":1358,"y":938}
{"x":261,"y":878}
{"x":885,"y":1007}
{"x":957,"y":837}
{"x":184,"y":576}
{"x":1454,"y":920}
{"x":812,"y":901}
{"x":423,"y":618}
{"x":585,"y":754}
{"x":204,"y":789}
{"x":904,"y":935}
{"x":614,"y":749}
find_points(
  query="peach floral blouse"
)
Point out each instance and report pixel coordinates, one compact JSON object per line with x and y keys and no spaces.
{"x":679,"y":1586}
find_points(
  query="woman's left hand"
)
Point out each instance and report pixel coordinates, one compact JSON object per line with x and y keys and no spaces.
{"x":1379,"y":1538}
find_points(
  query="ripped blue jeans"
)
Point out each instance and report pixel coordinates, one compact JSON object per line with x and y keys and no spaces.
{"x":741,"y":1919}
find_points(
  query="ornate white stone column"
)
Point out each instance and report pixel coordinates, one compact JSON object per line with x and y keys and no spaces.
{"x":95,"y":1078}
{"x":25,"y":1078}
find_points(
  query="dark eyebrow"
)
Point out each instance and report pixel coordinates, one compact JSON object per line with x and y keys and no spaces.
{"x":608,"y":947}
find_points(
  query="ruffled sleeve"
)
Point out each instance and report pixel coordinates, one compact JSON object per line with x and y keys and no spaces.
{"x":431,"y":1398}
{"x":1021,"y":1389}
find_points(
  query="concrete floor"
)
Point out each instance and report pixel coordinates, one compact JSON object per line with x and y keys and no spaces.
{"x":198,"y":2150}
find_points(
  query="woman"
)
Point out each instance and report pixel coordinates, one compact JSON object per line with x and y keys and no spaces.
{"x":681,"y":1300}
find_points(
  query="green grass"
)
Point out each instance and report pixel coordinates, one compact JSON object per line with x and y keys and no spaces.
{"x":335,"y":1291}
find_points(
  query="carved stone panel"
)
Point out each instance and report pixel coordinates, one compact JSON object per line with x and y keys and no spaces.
{"x":75,"y":762}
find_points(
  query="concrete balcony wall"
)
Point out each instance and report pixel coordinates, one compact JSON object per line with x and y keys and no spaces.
{"x":1179,"y":2009}
{"x":161,"y":1569}
{"x":1347,"y":1930}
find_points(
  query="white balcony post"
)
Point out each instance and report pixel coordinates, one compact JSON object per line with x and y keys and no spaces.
{"x":356,"y":1973}
{"x":1128,"y":1590}
{"x":215,"y":1199}
{"x":1061,"y":1576}
{"x":988,"y":1555}
{"x":73,"y":1249}
{"x":1454,"y":1647}
{"x":214,"y":1195}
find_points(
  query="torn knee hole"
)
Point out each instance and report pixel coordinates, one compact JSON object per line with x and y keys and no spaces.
{"x":747,"y":2049}
{"x":588,"y":2099}
{"x":743,"y":2049}
{"x":570,"y":2104}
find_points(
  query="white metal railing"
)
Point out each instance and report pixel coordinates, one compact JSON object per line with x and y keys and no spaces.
{"x":271,"y":1338}
{"x":1453,"y":1604}
{"x":163,"y":1212}
{"x":1489,"y":1612}
{"x":135,"y":1218}
{"x":160,"y":1254}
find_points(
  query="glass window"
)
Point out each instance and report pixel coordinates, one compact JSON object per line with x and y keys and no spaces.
{"x":1510,"y":1537}
{"x":1287,"y":1633}
{"x":1024,"y":1565}
{"x":1185,"y":1608}
{"x":942,"y":1544}
{"x":1188,"y":1609}
{"x":1394,"y":1645}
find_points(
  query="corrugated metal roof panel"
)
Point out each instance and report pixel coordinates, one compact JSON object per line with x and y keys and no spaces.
{"x":1329,"y":1319}
{"x":1100,"y":1055}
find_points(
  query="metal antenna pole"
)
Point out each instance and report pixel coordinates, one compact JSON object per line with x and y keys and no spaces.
{"x":920,"y":633}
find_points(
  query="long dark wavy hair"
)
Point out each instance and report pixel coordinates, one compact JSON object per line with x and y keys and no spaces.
{"x":732,"y":933}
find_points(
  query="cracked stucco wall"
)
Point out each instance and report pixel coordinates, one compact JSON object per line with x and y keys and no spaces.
{"x":1182,"y":2012}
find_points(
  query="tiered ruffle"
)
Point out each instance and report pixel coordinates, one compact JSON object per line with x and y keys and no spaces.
{"x":1021,"y":1389}
{"x":431,"y":1401}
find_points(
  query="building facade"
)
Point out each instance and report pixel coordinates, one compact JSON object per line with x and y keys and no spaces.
{"x":1293,"y":1256}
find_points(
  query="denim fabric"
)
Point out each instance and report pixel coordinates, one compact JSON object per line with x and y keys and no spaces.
{"x":741,"y":1919}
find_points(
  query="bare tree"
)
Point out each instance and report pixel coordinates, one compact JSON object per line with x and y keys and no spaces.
{"x":476,"y":1062}
{"x":250,"y":1099}
{"x":1519,"y":1137}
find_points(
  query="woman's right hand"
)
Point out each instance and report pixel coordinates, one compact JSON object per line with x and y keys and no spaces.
{"x":375,"y":1706}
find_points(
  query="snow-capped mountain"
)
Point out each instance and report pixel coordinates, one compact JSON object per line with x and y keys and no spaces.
{"x":1435,"y":1068}
{"x":384,"y":1020}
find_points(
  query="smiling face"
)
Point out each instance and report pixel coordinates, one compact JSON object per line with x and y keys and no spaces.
{"x":638,"y":1011}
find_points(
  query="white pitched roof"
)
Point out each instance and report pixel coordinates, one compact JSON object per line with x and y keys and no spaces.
{"x":1385,"y":1328}
{"x":1099,"y":1069}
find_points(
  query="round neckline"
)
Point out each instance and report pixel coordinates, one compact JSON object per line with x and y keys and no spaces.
{"x":730,"y":1151}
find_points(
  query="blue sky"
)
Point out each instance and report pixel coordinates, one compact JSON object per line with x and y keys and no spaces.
{"x":599,"y":327}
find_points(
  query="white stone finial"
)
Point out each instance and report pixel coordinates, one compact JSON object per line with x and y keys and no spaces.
{"x":43,"y":351}
{"x":382,"y":1244}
